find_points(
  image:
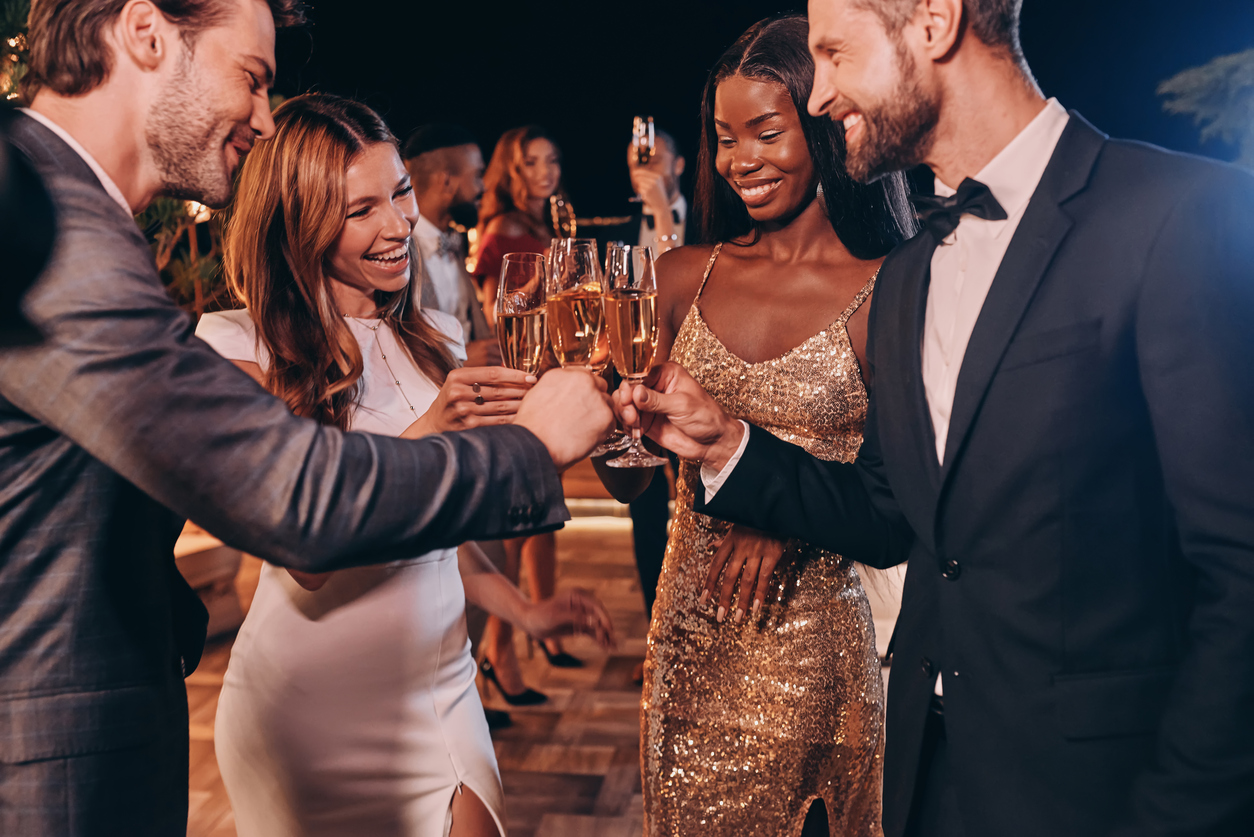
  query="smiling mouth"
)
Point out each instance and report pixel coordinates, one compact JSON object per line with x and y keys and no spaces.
{"x":758,"y":192}
{"x":852,"y":122}
{"x":392,"y":258}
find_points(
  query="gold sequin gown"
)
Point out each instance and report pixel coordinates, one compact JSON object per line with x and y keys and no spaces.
{"x":744,"y":726}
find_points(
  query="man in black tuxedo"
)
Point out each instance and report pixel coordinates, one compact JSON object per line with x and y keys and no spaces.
{"x":1060,"y":439}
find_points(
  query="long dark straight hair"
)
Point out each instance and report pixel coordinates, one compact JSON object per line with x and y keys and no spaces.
{"x":289,"y":209}
{"x":870,"y":219}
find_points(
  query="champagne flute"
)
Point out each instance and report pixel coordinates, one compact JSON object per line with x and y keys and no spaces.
{"x":643,"y":144}
{"x":576,"y":318}
{"x":520,"y":311}
{"x":631,"y":318}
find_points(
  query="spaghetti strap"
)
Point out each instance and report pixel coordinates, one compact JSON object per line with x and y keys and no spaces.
{"x":859,"y":298}
{"x":708,"y":268}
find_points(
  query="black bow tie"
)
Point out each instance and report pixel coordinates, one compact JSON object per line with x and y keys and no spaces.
{"x":651,"y":222}
{"x":450,"y":244}
{"x":941,"y":215}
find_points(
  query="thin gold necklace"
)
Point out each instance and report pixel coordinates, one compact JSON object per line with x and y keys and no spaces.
{"x":375,"y":329}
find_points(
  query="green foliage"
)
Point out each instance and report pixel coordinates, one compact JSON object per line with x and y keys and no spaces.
{"x":13,"y":54}
{"x":1219,"y":96}
{"x":186,"y":245}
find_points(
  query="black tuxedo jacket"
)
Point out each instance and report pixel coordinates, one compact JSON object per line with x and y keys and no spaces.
{"x":1082,"y":566}
{"x":114,"y":429}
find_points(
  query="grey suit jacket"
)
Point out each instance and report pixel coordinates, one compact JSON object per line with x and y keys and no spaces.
{"x":120,"y":425}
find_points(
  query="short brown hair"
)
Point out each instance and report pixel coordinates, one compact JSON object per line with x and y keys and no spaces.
{"x":994,"y":22}
{"x":68,"y":52}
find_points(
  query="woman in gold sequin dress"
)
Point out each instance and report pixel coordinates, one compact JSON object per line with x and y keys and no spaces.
{"x":754,"y":713}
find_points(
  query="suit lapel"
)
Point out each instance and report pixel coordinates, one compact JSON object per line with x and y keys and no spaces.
{"x":914,"y":315}
{"x":900,"y":400}
{"x":1041,"y":232}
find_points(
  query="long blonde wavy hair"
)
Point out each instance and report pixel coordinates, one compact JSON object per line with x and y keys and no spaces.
{"x":290,"y":206}
{"x":504,"y":189}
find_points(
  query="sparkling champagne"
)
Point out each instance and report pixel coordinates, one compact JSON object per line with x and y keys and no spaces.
{"x":576,"y":329}
{"x":522,"y":339}
{"x":631,"y":318}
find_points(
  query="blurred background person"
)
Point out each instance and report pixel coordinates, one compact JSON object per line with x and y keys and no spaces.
{"x":349,"y":701}
{"x":446,"y":167}
{"x":524,"y":172}
{"x":516,"y":216}
{"x":661,"y":225}
{"x":664,"y":209}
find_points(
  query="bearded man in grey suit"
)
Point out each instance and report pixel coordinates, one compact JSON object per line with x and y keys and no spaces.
{"x":120,"y":424}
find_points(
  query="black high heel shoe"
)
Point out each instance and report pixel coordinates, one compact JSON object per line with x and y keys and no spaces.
{"x":527,"y":697}
{"x":561,"y":659}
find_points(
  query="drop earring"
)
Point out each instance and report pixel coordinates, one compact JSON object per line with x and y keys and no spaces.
{"x":818,"y":193}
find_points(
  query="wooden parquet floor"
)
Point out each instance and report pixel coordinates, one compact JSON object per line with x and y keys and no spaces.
{"x":571,"y":768}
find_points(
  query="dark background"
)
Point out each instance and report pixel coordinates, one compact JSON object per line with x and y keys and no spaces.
{"x":583,"y":69}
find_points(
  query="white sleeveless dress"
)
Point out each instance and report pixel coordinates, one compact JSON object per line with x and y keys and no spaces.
{"x":352,"y":709}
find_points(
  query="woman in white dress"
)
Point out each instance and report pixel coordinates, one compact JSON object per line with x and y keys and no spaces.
{"x":349,"y":705}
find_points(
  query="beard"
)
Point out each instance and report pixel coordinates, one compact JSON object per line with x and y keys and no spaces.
{"x":897,"y":133}
{"x":465,"y":214}
{"x":185,"y":138}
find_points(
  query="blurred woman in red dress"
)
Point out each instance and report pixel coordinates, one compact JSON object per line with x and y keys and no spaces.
{"x":516,"y":217}
{"x":524,"y":173}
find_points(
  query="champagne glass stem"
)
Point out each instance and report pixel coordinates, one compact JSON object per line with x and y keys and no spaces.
{"x":636,"y":455}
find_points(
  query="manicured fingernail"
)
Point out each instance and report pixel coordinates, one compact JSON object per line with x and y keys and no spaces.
{"x":722,"y":611}
{"x":740,"y":614}
{"x":532,"y":379}
{"x":757,"y":605}
{"x":705,"y":597}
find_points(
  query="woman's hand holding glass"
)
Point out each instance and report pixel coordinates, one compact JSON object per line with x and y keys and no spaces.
{"x":471,"y":397}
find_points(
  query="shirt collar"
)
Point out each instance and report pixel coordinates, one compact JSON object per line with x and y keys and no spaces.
{"x":425,"y":229}
{"x":107,"y":182}
{"x":1013,"y":175}
{"x":679,"y":205}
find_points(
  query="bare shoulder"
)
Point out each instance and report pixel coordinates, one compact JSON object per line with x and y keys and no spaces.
{"x":679,"y":274}
{"x":507,"y":225}
{"x":679,"y":271}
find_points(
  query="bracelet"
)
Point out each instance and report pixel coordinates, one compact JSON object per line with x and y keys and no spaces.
{"x":672,"y":237}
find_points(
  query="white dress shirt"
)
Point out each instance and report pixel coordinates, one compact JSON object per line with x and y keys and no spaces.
{"x":107,"y":182}
{"x":964,"y":265}
{"x":447,"y":272}
{"x":648,"y":237}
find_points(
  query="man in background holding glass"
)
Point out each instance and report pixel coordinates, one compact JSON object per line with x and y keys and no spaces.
{"x":664,"y":208}
{"x":664,"y":216}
